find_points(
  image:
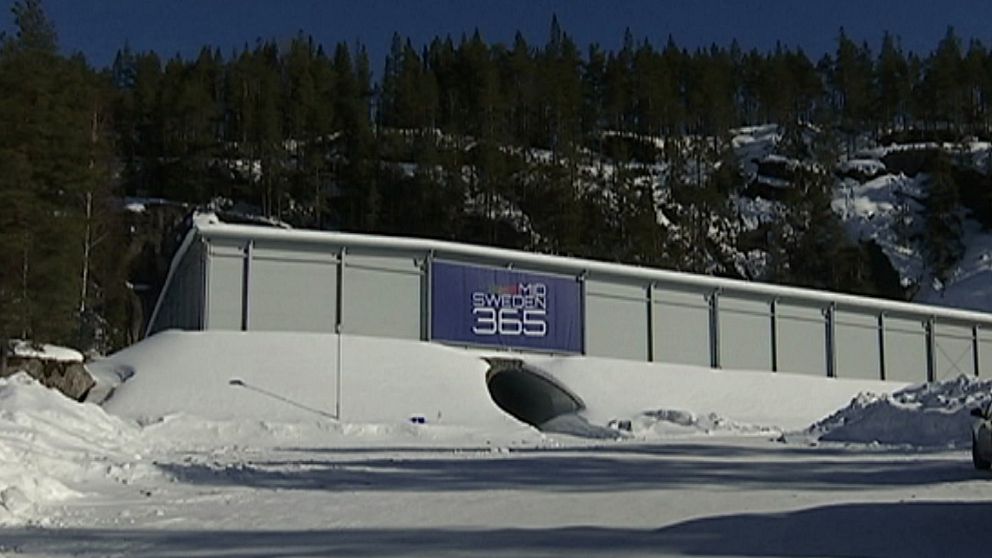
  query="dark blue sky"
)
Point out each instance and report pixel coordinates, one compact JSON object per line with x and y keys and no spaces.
{"x":99,"y":27}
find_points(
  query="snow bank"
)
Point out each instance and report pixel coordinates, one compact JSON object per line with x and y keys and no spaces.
{"x":292,"y":377}
{"x":921,"y":415}
{"x":47,"y":440}
{"x":237,"y":385}
{"x":660,"y":399}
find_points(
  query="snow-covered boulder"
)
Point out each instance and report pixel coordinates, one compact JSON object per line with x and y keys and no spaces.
{"x":55,"y":367}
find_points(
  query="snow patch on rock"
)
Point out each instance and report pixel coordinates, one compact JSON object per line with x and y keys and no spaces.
{"x":26,"y":349}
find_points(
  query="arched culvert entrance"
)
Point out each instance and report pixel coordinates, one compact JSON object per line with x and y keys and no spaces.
{"x":528,"y":394}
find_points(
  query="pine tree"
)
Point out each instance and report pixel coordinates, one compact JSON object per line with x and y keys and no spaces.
{"x":54,"y":152}
{"x":851,"y":79}
{"x":561,"y":89}
{"x":976,"y":82}
{"x":894,"y":85}
{"x":356,"y":176}
{"x":138,"y":124}
{"x":308,"y":119}
{"x":618,"y":88}
{"x":593,"y":91}
{"x":35,"y":32}
{"x":943,"y":93}
{"x":191,"y":113}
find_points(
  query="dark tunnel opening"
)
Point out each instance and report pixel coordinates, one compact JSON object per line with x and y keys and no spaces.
{"x":528,"y":394}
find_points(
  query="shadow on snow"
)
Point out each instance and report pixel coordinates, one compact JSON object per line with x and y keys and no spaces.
{"x":619,"y":468}
{"x":864,"y":530}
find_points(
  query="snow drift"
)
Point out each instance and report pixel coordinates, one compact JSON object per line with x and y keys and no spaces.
{"x":260,"y":380}
{"x":921,"y":415}
{"x":292,"y":377}
{"x":48,"y":440}
{"x":654,"y":395}
{"x":273,"y":377}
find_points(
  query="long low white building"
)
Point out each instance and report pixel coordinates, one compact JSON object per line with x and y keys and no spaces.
{"x":255,"y":278}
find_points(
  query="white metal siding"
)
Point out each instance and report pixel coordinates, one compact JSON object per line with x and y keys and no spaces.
{"x":745,"y":332}
{"x":802,"y":346}
{"x":292,"y":291}
{"x":858,"y":345}
{"x":382,"y":295}
{"x":616,"y":320}
{"x":905,"y":349}
{"x":225,"y":286}
{"x":985,"y":353}
{"x":954,"y":351}
{"x":681,"y":326}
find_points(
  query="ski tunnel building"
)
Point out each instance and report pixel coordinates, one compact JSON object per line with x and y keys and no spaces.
{"x":336,"y":324}
{"x":254,"y":278}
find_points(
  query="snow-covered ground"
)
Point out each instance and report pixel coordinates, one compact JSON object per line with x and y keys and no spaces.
{"x":180,"y":461}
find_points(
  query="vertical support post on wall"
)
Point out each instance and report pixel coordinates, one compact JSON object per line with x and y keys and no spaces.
{"x":881,"y":346}
{"x":339,"y":329}
{"x":339,"y":319}
{"x":651,"y":286}
{"x":974,"y":348}
{"x":715,"y":329}
{"x":428,"y":310}
{"x":205,"y":283}
{"x":582,"y":296}
{"x":831,"y":337}
{"x":774,"y":326}
{"x":246,"y":285}
{"x":931,"y":349}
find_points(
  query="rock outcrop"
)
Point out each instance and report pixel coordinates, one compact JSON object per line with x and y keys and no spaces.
{"x":55,"y":367}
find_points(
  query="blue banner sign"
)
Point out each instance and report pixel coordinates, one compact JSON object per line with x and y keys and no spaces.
{"x":499,"y":307}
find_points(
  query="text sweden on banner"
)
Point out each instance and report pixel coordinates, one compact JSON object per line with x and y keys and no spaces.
{"x":514,"y":309}
{"x":489,"y":306}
